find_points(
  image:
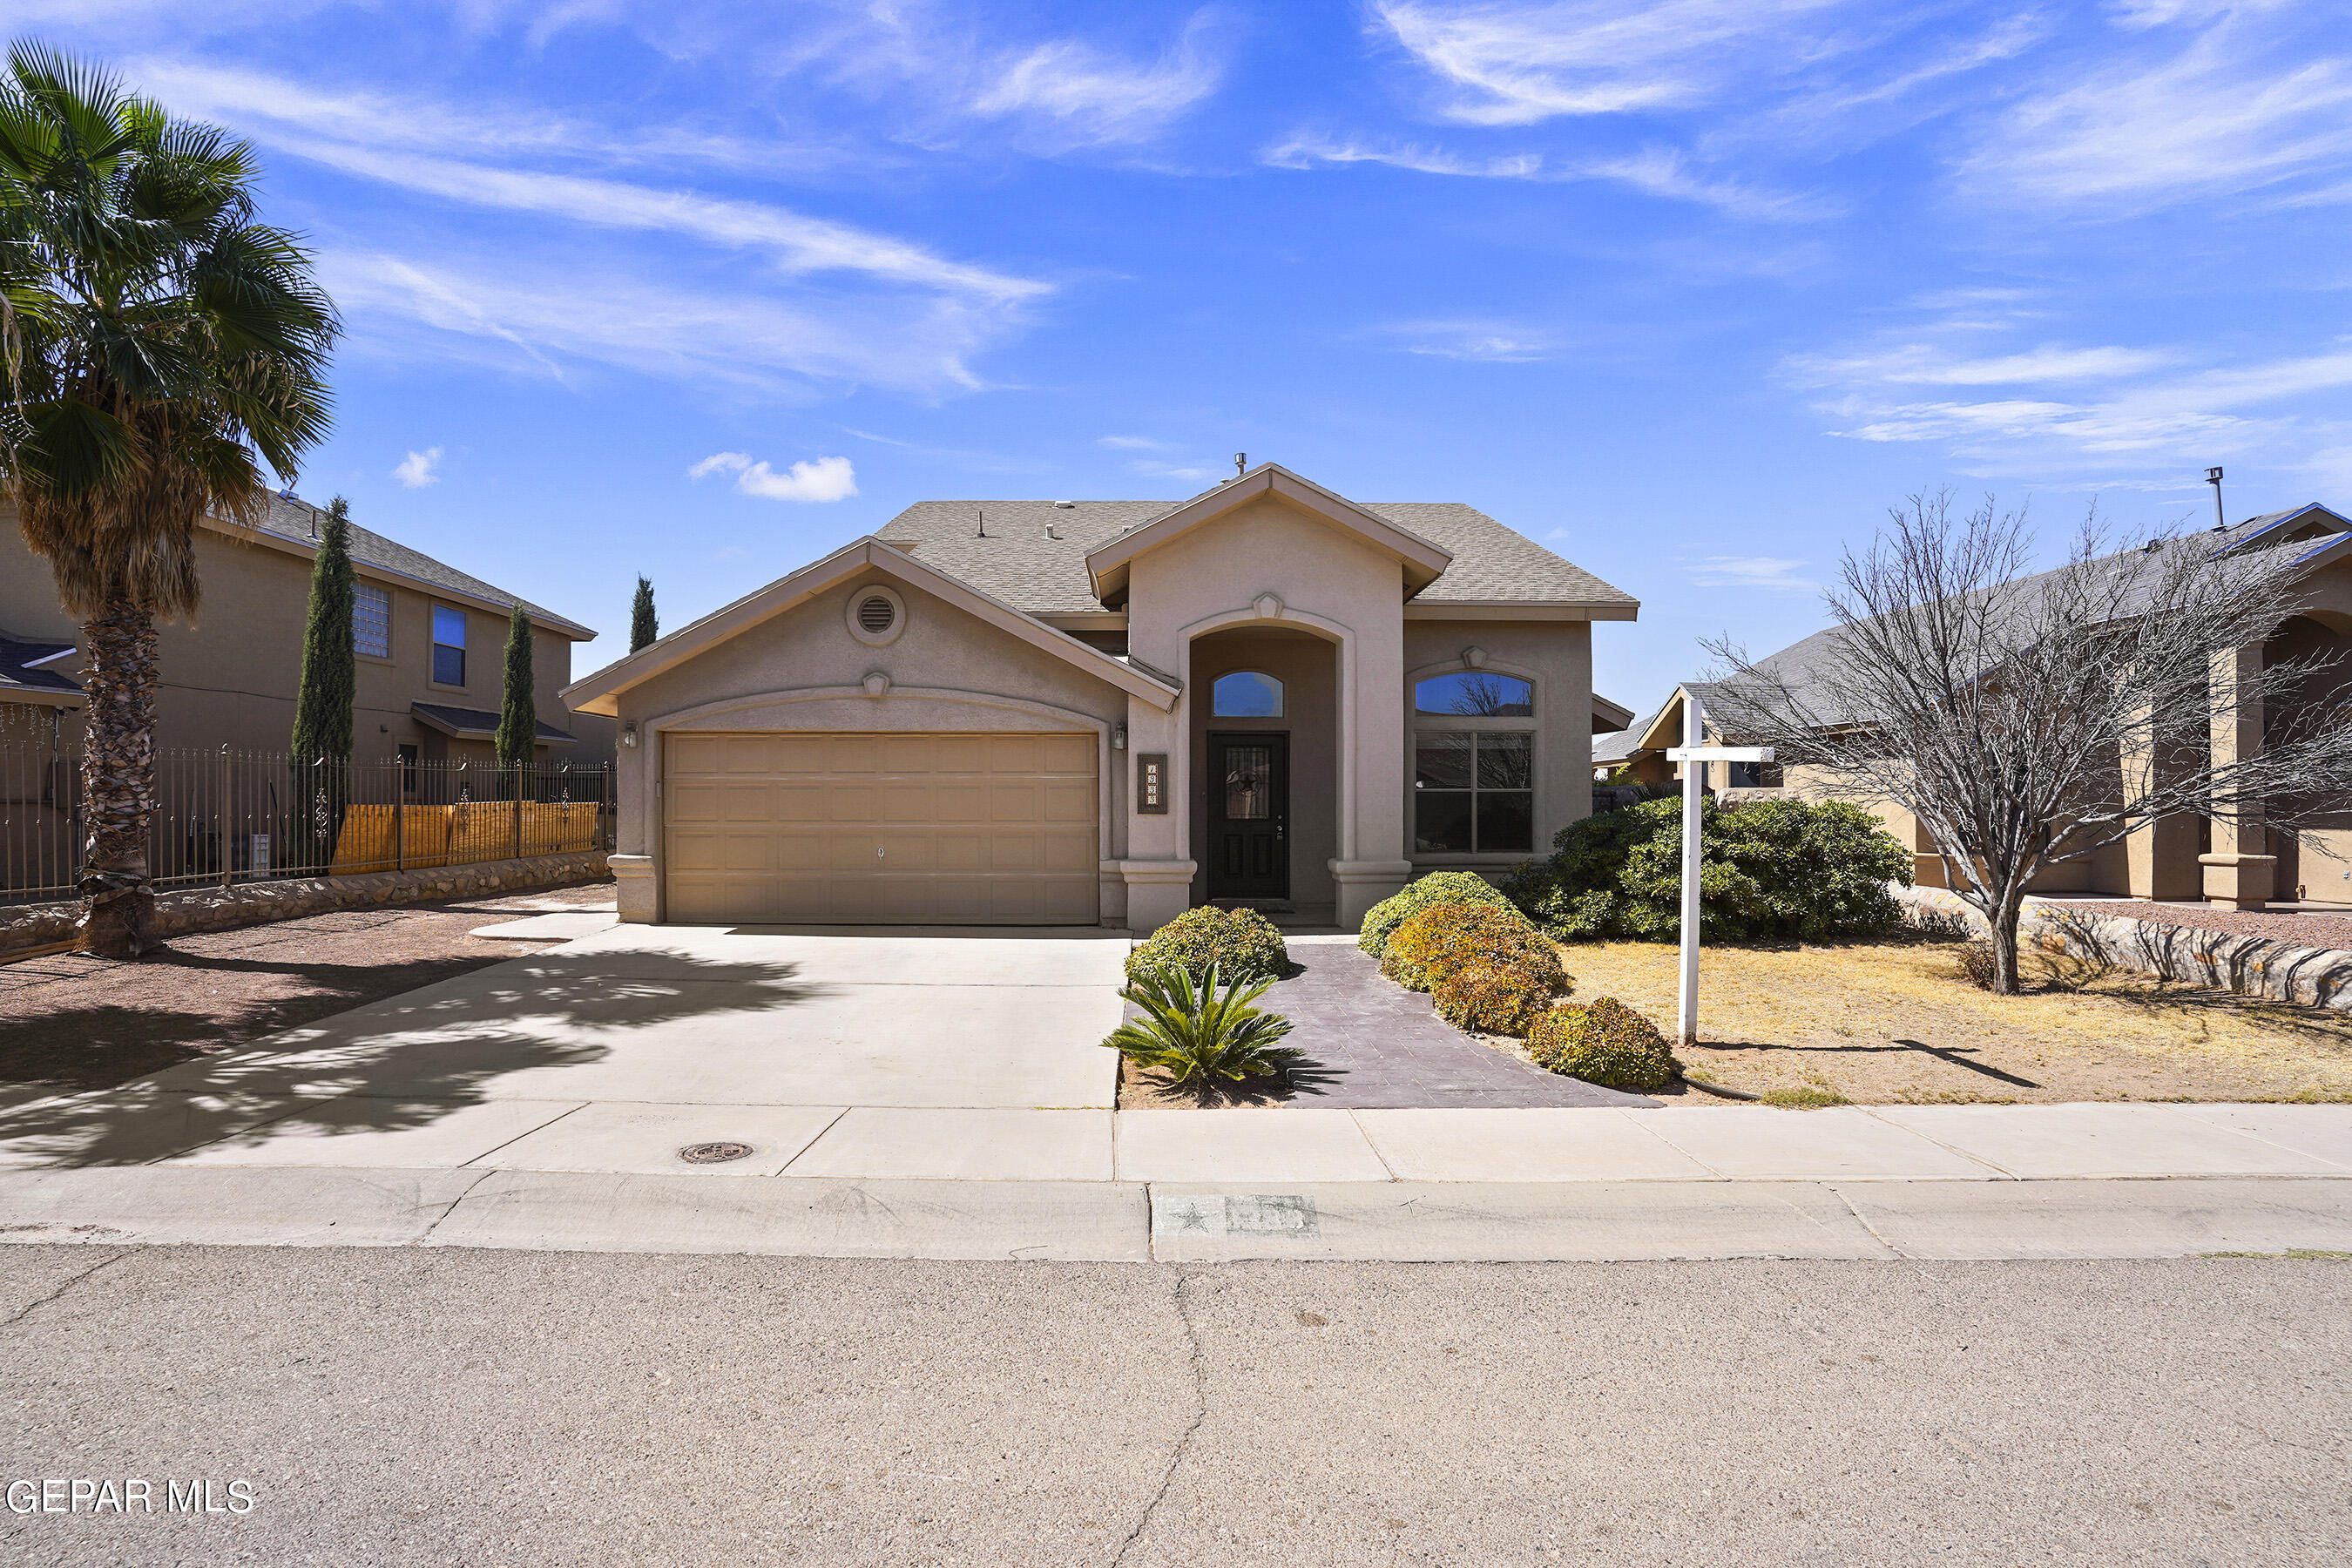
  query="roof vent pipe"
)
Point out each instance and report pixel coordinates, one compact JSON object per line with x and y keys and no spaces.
{"x":2220,"y":518}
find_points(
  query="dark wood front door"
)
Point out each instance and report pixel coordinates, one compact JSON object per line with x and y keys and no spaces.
{"x":1249,"y":815}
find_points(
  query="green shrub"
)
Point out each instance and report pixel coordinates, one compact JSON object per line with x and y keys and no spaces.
{"x":1785,"y":869}
{"x":1383,"y":918}
{"x":1196,"y":1033}
{"x":1242,"y":944}
{"x":1607,"y":1043}
{"x":1492,"y":1000}
{"x":1443,"y":939}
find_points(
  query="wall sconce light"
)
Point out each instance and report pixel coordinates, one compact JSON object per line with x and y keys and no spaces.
{"x":1119,"y":737}
{"x":629,"y":735}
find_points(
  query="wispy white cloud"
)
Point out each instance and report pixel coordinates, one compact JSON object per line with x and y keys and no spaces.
{"x":1084,"y":95}
{"x":1515,"y":64}
{"x":1654,"y":170}
{"x":1131,"y":443}
{"x":1925,"y":364}
{"x":2187,"y":418}
{"x":419,"y":468}
{"x":810,"y":479}
{"x":549,"y":317}
{"x":1494,"y":343}
{"x":1767,"y":571}
{"x":1194,"y":472}
{"x":2191,"y":101}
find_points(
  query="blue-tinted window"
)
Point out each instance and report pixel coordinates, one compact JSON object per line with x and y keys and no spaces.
{"x":1475,"y":694}
{"x":448,"y":646}
{"x":1247,"y":694}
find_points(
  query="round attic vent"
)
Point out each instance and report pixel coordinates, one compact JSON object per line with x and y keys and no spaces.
{"x":875,"y":615}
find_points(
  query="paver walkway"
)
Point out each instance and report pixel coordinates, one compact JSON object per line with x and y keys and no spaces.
{"x":1383,"y":1047}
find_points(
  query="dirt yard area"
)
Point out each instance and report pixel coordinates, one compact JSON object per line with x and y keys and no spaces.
{"x":1897,"y":1023}
{"x":72,"y":1022}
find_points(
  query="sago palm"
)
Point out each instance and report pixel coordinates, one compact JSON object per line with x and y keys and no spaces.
{"x":160,"y":343}
{"x":1199,"y":1032}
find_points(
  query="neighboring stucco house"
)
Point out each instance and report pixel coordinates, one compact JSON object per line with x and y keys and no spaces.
{"x":430,"y":642}
{"x":2177,"y":858}
{"x":1073,"y":712}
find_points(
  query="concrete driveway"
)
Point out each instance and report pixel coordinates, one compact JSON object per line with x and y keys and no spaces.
{"x":615,"y":1051}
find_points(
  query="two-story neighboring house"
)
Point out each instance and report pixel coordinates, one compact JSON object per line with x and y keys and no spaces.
{"x":430,"y":642}
{"x":1071,"y":713}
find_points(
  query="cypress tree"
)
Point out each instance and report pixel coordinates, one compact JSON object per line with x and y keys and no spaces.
{"x":644,"y":625}
{"x":518,"y":711}
{"x":322,"y":742}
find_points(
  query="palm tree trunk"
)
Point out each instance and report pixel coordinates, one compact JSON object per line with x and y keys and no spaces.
{"x":118,"y":775}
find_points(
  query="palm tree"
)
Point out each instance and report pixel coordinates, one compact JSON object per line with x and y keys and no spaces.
{"x":158,"y":341}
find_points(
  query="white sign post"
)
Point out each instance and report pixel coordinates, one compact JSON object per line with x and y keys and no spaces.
{"x":1695,"y":753}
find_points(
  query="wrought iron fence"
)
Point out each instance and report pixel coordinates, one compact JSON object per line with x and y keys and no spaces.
{"x":230,"y":816}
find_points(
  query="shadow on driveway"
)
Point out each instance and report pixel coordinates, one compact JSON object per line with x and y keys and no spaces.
{"x":410,"y":1059}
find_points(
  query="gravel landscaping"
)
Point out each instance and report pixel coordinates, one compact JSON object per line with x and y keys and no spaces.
{"x":2302,"y":928}
{"x":70,"y":1022}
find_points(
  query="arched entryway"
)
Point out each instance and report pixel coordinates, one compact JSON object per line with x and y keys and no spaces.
{"x":1265,"y":777}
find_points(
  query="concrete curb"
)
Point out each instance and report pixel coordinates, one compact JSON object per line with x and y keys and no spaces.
{"x":1164,"y":1222}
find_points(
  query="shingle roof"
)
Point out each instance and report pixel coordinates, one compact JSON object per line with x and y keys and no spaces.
{"x":1801,"y":665}
{"x":293,"y":518}
{"x":18,"y":659}
{"x":1020,"y":563}
{"x":476,"y":723}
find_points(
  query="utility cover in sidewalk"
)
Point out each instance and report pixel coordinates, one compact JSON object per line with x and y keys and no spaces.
{"x":1251,"y":1214}
{"x":713,"y":1154}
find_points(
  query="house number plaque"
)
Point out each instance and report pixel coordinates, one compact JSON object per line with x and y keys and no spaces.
{"x":1151,"y":784}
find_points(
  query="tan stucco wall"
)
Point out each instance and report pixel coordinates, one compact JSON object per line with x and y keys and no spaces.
{"x":231,"y":677}
{"x":802,"y":670}
{"x":1307,"y":666}
{"x":1330,"y":582}
{"x":1555,"y":655}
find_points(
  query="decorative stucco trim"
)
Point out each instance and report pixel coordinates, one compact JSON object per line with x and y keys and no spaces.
{"x":1425,"y":561}
{"x":1518,"y":610}
{"x":599,"y":693}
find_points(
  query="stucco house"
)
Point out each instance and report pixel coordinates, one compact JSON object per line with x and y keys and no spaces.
{"x":1081,"y":712}
{"x":429,"y":639}
{"x":2241,"y":866}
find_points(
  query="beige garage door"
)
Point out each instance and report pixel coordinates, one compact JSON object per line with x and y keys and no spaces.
{"x":821,"y":827}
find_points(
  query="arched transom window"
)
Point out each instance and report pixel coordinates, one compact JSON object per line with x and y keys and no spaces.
{"x":1246,"y":694}
{"x":1474,"y":694}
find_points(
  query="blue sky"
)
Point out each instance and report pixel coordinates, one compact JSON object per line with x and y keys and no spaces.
{"x":1689,"y":289}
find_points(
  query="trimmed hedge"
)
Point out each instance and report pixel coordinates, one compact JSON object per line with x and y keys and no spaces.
{"x":1383,"y":918}
{"x":1443,"y":939}
{"x":1607,"y":1043}
{"x":1807,"y":870}
{"x":1241,"y":944}
{"x":1493,"y":1001}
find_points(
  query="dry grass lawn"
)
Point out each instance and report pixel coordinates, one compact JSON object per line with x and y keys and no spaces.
{"x":1895,"y":1023}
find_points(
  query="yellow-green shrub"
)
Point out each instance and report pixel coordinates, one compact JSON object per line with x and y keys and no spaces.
{"x":1383,"y":918}
{"x":1241,"y":944}
{"x":1606,"y":1043}
{"x":1492,"y":1000}
{"x":1427,"y":949}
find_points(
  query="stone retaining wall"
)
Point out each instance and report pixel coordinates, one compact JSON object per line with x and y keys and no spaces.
{"x":2250,"y":966}
{"x":186,"y":909}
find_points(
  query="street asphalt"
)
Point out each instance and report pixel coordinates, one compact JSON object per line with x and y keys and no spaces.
{"x":455,"y":1406}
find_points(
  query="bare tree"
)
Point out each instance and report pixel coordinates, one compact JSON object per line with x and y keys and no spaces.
{"x":2029,"y":719}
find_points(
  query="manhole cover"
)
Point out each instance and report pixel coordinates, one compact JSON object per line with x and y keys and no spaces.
{"x":713,"y":1154}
